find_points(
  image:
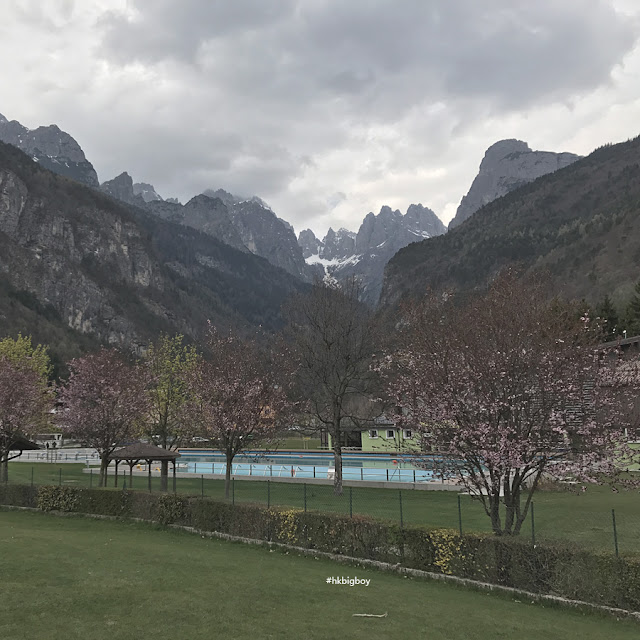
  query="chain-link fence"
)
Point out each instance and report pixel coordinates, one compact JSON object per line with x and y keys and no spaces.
{"x":596,"y":519}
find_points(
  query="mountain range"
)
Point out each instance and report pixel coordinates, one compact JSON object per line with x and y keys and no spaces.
{"x":580,"y":223}
{"x":506,"y":166}
{"x":79,"y":267}
{"x":85,"y":262}
{"x":344,"y":254}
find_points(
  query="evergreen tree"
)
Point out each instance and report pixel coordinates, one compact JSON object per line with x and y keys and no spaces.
{"x":632,"y":315}
{"x":609,"y":317}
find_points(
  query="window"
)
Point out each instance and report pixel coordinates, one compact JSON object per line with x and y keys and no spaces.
{"x":408,"y":434}
{"x":390,"y":434}
{"x":373,"y":433}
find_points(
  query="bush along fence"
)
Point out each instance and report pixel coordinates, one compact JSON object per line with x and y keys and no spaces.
{"x":598,"y":578}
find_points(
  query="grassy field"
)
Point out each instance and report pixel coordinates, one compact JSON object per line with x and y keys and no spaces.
{"x":576,"y":517}
{"x":68,"y":578}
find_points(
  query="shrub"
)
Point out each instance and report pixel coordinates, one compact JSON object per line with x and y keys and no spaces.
{"x":170,"y":509}
{"x":18,"y":495}
{"x":566,"y":571}
{"x":53,"y":498}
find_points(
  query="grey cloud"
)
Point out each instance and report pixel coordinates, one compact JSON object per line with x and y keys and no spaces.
{"x":166,"y":28}
{"x":280,"y":84}
{"x":335,"y":199}
{"x":512,"y":52}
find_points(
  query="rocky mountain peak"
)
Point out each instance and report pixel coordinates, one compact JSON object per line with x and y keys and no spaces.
{"x":423,"y":221}
{"x":53,"y":148}
{"x":121,"y":188}
{"x":309,"y":244}
{"x":211,"y":216}
{"x":507,"y":165}
{"x":338,"y":245}
{"x":226,"y":197}
{"x":146,"y":191}
{"x":344,"y":254}
{"x":503,"y":148}
{"x":376,"y":230}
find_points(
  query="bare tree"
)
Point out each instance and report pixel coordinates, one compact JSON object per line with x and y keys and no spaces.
{"x":333,"y":339}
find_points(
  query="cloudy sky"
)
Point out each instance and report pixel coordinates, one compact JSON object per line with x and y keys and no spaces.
{"x":327,"y":109}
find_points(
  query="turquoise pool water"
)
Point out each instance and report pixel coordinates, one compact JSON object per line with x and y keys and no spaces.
{"x":356,"y":466}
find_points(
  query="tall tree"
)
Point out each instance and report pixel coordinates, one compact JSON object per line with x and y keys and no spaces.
{"x":25,"y":396}
{"x":168,"y":363}
{"x":507,"y":387}
{"x":237,"y":398}
{"x":104,"y":402}
{"x":333,"y":339}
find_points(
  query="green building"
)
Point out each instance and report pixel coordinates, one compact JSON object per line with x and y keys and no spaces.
{"x":382,"y":436}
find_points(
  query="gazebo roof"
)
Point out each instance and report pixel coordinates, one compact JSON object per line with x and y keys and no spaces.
{"x":143,"y":451}
{"x":22,"y":443}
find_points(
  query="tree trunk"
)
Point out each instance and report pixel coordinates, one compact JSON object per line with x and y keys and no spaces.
{"x":4,"y":467}
{"x":494,"y":512}
{"x":227,"y":476}
{"x":104,"y":463}
{"x":164,"y":475}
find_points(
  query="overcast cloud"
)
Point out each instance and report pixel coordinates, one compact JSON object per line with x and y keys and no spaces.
{"x":326,"y":109}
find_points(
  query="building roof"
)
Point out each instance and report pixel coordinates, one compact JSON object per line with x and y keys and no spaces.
{"x":23,"y":444}
{"x":143,"y":451}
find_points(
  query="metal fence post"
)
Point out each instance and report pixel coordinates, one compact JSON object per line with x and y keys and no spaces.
{"x":533,"y":526}
{"x":268,"y":493}
{"x":615,"y":530}
{"x":459,"y":515}
{"x":400,"y":504}
{"x":351,"y":502}
{"x":305,"y":497}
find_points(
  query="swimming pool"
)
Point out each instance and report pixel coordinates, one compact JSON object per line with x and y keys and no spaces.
{"x":356,"y":466}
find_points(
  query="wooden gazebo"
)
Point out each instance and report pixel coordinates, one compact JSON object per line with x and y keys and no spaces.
{"x":18,"y":443}
{"x":140,"y":451}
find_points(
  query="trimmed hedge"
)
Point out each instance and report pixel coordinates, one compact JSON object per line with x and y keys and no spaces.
{"x":559,"y":570}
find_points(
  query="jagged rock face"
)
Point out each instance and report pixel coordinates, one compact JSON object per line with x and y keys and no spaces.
{"x":309,"y":244}
{"x":55,"y":256}
{"x":338,"y":245}
{"x":422,"y":222}
{"x":264,"y":234}
{"x":121,"y":188}
{"x":507,"y":165}
{"x":115,"y":272}
{"x":52,"y":148}
{"x":167,"y":210}
{"x":344,"y":254}
{"x":146,"y":191}
{"x":211,"y":216}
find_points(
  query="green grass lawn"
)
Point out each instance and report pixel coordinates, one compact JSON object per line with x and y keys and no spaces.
{"x":575,"y":517}
{"x":68,"y":578}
